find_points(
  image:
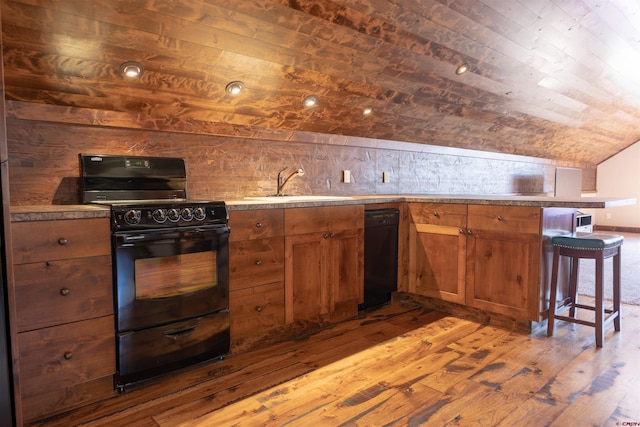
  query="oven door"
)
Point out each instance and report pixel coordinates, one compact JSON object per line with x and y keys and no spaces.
{"x":168,"y":275}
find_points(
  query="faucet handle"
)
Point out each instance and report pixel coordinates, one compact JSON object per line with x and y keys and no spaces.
{"x":281,"y":175}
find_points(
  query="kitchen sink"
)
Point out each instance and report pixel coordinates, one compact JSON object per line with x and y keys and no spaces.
{"x":283,"y":199}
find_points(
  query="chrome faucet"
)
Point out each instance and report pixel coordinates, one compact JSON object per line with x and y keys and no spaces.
{"x":282,"y":181}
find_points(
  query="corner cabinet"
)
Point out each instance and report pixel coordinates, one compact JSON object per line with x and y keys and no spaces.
{"x":324,"y":263}
{"x":256,"y":275}
{"x":488,"y":257}
{"x":64,"y":306}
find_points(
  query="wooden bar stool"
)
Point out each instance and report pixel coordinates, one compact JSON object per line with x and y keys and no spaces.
{"x":591,"y":246}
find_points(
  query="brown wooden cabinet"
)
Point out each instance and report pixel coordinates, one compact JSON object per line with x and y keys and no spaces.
{"x":76,"y":288}
{"x":438,"y":250}
{"x":256,"y":275}
{"x":324,"y":263}
{"x":64,"y":306}
{"x":493,"y":258}
{"x":503,"y":259}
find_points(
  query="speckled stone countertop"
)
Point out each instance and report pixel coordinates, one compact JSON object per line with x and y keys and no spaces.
{"x":56,"y":212}
{"x":511,"y":200}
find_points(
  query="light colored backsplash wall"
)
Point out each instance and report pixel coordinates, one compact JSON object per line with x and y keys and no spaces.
{"x":44,"y":167}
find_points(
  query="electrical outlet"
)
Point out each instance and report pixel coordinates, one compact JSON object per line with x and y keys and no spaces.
{"x":607,"y":215}
{"x":385,"y":177}
{"x":346,"y":176}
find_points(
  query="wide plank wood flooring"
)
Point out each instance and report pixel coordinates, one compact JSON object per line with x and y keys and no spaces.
{"x":400,"y":365}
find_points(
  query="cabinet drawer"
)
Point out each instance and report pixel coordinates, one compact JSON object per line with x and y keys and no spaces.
{"x":56,"y":292}
{"x":255,"y":262}
{"x":452,"y":215}
{"x":256,"y":224}
{"x":71,"y":396}
{"x":256,"y":310}
{"x":55,"y":360}
{"x":330,"y":218}
{"x":504,"y":218}
{"x":50,"y":240}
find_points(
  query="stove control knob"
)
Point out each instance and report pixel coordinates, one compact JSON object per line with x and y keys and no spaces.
{"x":159,"y":216}
{"x":186,"y":214}
{"x":200,"y":213}
{"x":132,"y":217}
{"x":173,"y":215}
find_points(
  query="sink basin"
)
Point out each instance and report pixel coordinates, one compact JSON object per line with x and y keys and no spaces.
{"x":282,"y":199}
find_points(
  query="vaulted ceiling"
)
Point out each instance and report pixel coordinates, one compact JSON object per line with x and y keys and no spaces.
{"x":554,"y":79}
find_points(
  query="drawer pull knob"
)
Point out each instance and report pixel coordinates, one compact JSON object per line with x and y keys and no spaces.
{"x":500,"y":218}
{"x":469,"y":232}
{"x":332,"y":235}
{"x":461,"y":231}
{"x":68,"y":355}
{"x":258,"y":224}
{"x":62,"y":241}
{"x":258,"y":309}
{"x":436,"y":214}
{"x":259,"y":262}
{"x":325,"y":236}
{"x":64,"y":292}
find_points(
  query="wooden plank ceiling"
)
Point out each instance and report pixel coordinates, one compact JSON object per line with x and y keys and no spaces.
{"x":552,"y":79}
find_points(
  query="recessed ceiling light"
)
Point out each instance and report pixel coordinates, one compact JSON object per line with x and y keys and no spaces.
{"x":462,"y":69}
{"x":234,"y":88}
{"x":310,"y":101}
{"x":131,"y":69}
{"x":367,"y":111}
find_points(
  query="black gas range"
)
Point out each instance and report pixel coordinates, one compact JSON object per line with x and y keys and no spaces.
{"x":170,"y":260}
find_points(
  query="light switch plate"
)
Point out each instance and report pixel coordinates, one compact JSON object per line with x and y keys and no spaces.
{"x":346,"y":176}
{"x":385,"y":177}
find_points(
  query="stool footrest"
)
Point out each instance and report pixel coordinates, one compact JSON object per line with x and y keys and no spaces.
{"x":607,"y":320}
{"x":586,"y":307}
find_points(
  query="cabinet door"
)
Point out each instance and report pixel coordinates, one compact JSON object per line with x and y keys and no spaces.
{"x":503,"y":260}
{"x":306,"y":296}
{"x":438,"y":262}
{"x":502,"y":272}
{"x":437,"y":250}
{"x":344,"y":261}
{"x":324,"y":262}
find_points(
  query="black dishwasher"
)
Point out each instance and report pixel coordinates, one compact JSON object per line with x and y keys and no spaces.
{"x":380,"y":256}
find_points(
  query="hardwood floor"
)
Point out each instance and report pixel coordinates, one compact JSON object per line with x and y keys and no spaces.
{"x":400,"y":365}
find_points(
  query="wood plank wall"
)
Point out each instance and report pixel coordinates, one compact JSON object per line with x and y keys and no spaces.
{"x":44,"y":143}
{"x":538,"y":85}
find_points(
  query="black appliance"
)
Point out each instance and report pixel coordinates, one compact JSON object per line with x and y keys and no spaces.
{"x":171,"y":264}
{"x":380,"y":256}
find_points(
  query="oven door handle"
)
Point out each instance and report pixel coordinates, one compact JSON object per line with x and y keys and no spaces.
{"x":199,"y":230}
{"x":176,"y":335}
{"x":133,"y":238}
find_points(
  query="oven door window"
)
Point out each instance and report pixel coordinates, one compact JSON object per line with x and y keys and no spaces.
{"x":170,"y":276}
